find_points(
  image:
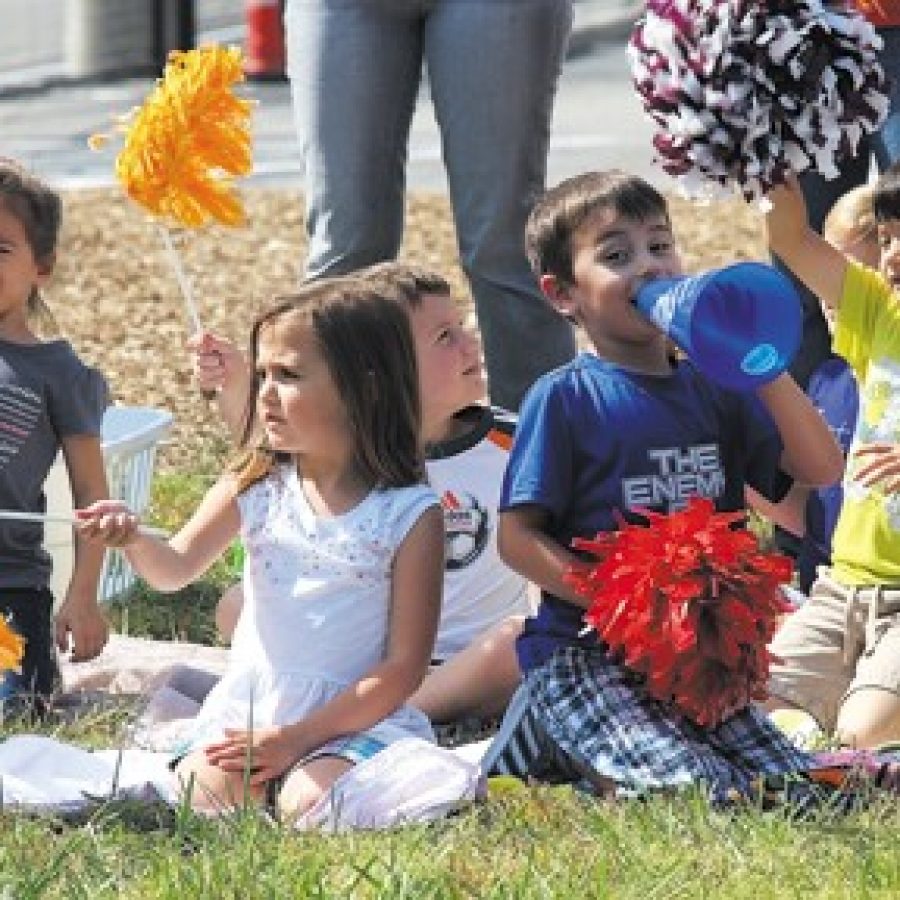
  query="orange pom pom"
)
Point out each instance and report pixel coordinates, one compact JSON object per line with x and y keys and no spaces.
{"x":190,"y":138}
{"x":12,"y":646}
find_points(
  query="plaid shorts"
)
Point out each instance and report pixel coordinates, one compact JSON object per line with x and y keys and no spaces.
{"x":581,"y":717}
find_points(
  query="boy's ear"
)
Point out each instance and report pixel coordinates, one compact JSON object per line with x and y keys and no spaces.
{"x":558,"y":293}
{"x":45,"y":267}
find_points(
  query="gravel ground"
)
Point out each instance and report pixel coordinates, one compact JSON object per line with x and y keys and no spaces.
{"x":115,"y":296}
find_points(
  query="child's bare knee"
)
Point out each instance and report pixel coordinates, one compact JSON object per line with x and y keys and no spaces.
{"x":295,"y":801}
{"x":869,"y":717}
{"x":511,"y":627}
{"x":208,"y":789}
{"x":307,"y":785}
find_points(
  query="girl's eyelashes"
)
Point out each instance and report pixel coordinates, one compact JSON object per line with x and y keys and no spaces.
{"x":277,"y":373}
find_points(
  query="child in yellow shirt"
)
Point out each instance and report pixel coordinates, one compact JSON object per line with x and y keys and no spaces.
{"x":840,"y":653}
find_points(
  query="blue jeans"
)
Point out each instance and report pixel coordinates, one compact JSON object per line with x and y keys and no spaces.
{"x":821,"y":195}
{"x":493,"y":66}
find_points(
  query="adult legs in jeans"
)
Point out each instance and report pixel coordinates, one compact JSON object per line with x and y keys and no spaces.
{"x":493,"y":67}
{"x":354,"y":71}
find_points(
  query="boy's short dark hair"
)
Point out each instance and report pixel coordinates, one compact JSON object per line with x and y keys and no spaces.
{"x":405,"y":282}
{"x":563,"y":209}
{"x":886,"y":195}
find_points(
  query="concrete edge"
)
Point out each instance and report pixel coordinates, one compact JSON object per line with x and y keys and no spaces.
{"x":58,"y":79}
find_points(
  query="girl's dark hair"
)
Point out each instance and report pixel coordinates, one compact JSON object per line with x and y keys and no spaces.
{"x":38,"y":208}
{"x":886,"y":195}
{"x":563,"y":209}
{"x":367,"y":343}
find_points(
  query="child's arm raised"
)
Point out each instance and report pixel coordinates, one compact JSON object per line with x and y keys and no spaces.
{"x":416,"y":583}
{"x":220,"y":367}
{"x":819,"y":265}
{"x":79,"y":623}
{"x":168,"y":566}
{"x":811,"y":455}
{"x":526,"y":548}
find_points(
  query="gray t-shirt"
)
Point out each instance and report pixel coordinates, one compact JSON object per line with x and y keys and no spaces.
{"x":46,"y":394}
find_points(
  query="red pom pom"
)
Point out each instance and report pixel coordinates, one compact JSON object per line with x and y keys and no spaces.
{"x":689,"y":602}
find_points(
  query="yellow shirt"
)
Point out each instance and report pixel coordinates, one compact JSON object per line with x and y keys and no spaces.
{"x":866,"y":543}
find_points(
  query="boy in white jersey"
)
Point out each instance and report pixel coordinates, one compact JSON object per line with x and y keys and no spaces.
{"x":467,"y":446}
{"x":840,"y":653}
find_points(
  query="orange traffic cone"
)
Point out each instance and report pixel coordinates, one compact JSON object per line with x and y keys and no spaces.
{"x":265,"y":40}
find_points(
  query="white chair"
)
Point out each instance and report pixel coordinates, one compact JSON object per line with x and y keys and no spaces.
{"x":129,"y":438}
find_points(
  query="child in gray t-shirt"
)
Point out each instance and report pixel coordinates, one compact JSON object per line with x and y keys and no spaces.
{"x":49,"y":400}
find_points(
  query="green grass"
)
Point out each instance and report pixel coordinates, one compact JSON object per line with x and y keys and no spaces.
{"x":526,"y":844}
{"x":185,"y":615}
{"x":520,"y":843}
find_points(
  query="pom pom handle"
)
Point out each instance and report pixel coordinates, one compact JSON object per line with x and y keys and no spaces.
{"x":184,"y":284}
{"x":181,"y":277}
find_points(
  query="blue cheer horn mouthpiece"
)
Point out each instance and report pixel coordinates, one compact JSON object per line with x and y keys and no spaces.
{"x":740,"y":325}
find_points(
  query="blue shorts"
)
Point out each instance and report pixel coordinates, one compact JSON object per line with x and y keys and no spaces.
{"x":355,"y":748}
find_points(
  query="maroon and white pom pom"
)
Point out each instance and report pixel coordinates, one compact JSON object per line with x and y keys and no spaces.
{"x":743,"y":91}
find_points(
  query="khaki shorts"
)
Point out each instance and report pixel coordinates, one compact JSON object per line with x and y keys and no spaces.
{"x":843,"y":639}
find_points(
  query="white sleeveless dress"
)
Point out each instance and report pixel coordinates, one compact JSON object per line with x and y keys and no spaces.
{"x":316,"y":603}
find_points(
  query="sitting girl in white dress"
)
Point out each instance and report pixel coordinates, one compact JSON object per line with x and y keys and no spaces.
{"x":344,"y":556}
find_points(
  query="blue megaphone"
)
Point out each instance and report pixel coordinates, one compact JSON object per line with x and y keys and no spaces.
{"x":740,"y":325}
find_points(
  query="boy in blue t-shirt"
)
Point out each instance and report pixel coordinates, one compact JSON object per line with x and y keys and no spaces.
{"x":624,"y":428}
